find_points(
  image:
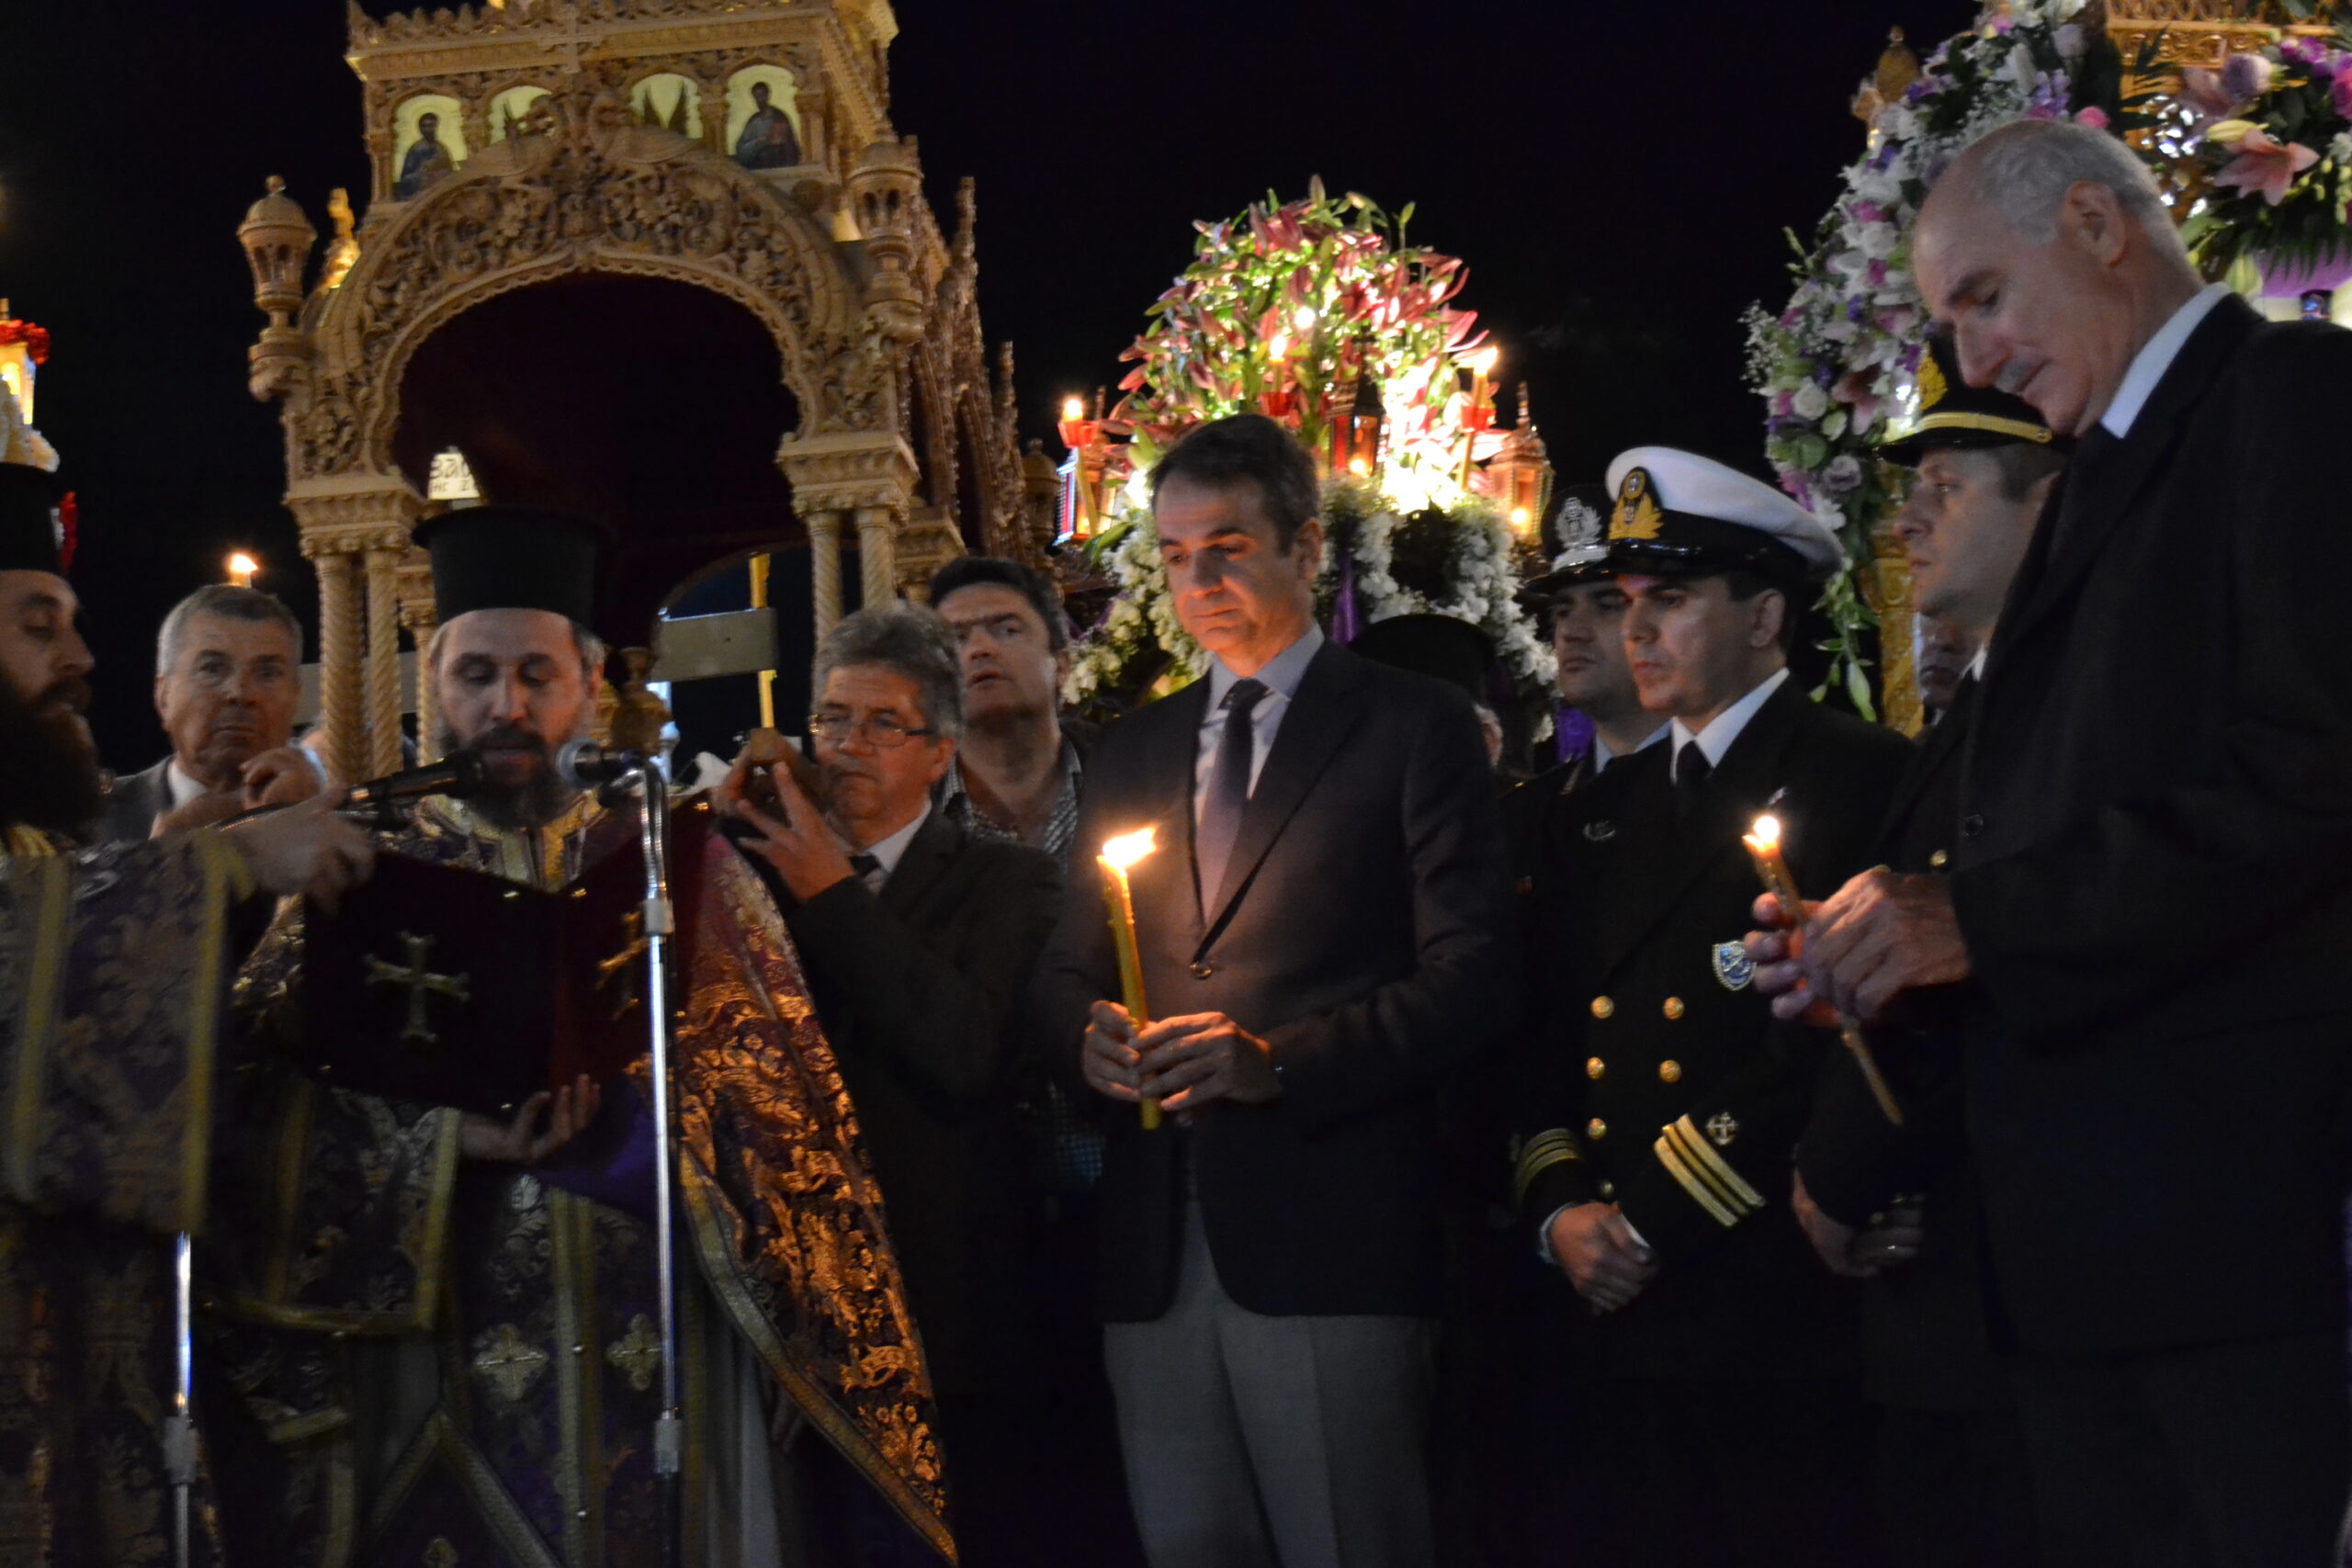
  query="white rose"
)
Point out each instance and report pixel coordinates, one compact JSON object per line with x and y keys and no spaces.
{"x":1810,"y":401}
{"x":1878,"y":241}
{"x":1877,"y":185}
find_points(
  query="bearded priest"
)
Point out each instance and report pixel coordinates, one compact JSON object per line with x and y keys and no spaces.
{"x":113,"y":967}
{"x":441,"y":1329}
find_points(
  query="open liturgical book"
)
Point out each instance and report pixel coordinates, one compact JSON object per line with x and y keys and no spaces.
{"x":450,"y":986}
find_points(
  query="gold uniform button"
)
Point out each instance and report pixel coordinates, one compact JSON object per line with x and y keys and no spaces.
{"x":1602,"y":1007}
{"x":1669,"y":1072}
{"x":1936,"y":861}
{"x":1673,"y":1008}
{"x":1596,"y":1128}
{"x":1594,"y":1066}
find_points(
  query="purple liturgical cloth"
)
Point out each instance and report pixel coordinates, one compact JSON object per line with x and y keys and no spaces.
{"x":612,"y":1163}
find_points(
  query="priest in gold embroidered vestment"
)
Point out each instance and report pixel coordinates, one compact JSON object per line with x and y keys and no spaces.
{"x":438,"y":1324}
{"x":113,"y":967}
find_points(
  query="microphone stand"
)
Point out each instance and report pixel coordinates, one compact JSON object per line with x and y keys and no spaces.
{"x":661,"y":921}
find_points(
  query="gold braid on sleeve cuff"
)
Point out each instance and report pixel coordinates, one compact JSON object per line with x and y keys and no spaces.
{"x":1555,"y":1146}
{"x":1712,"y":1184}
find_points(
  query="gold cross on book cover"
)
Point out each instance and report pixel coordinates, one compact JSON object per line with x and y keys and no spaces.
{"x":449,"y":986}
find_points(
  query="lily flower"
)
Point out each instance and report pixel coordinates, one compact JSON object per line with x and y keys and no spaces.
{"x":2266,"y":165}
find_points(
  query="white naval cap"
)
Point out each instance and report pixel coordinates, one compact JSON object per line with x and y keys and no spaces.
{"x":1678,"y":513}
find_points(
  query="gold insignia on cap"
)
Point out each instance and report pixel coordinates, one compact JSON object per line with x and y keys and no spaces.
{"x":1637,"y":516}
{"x":1932,"y":387}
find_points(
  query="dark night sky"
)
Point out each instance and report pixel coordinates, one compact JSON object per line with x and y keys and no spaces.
{"x":1618,"y":178}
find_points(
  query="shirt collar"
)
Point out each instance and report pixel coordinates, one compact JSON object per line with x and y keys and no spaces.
{"x":180,"y":784}
{"x":1976,"y":665}
{"x":1717,"y":738}
{"x":1072,"y":767}
{"x":1603,"y":753}
{"x":891,"y":851}
{"x":1281,"y":674}
{"x":2155,"y":358}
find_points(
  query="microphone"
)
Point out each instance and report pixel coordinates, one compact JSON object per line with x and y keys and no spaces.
{"x":584,"y":764}
{"x":460,"y":773}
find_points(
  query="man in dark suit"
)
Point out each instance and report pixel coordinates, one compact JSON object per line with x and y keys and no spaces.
{"x":918,"y":937}
{"x":1704,"y":1398}
{"x":1950,"y":1466}
{"x":1323,"y":939}
{"x":227,"y":681}
{"x":2148,"y":909}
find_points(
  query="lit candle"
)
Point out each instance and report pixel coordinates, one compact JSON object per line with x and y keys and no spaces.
{"x":1763,"y":843}
{"x":242,"y":568}
{"x":1117,"y":856}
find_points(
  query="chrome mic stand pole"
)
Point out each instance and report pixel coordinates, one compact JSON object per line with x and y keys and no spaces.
{"x":661,"y":920}
{"x":179,"y":1428}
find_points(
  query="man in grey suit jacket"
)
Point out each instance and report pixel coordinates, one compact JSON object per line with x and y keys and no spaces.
{"x":1323,"y":934}
{"x":226,"y":684}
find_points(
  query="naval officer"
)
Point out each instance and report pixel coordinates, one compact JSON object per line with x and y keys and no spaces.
{"x":1702,"y":1367}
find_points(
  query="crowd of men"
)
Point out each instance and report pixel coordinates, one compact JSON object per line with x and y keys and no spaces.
{"x":1987,"y":1209}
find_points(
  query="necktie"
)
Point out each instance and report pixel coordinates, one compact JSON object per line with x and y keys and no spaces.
{"x":1691,"y":770}
{"x":865,"y":867}
{"x":1229,"y":791}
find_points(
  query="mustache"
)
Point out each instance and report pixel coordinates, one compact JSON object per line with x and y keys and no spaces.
{"x":510,"y":737}
{"x":73,"y":692}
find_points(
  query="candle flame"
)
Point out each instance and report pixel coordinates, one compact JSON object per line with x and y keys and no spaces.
{"x":1303,"y":318}
{"x":1358,"y":465}
{"x":243,"y":566}
{"x":1483,"y":362}
{"x":1765,"y":834}
{"x":1128,"y":847}
{"x":1073,"y":408}
{"x":1518,"y":518}
{"x":1280,"y":346}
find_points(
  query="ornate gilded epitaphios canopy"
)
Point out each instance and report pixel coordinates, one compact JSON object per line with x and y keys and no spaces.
{"x":578,"y":161}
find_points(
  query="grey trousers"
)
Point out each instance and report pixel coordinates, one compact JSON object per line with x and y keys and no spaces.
{"x":1272,"y":1442}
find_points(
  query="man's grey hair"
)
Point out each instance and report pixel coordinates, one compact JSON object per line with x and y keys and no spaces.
{"x":230,"y":602}
{"x":592,"y":649}
{"x":913,"y":642}
{"x":2023,"y":170}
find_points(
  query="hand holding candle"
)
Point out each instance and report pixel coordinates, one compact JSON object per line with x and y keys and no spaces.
{"x":1763,"y":843}
{"x":1117,"y":856}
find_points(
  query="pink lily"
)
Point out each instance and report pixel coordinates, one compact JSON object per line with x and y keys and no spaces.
{"x":2266,"y":165}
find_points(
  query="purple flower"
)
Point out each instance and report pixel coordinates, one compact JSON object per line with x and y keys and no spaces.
{"x":2339,"y":93}
{"x":1876,"y":273}
{"x":2246,"y":77}
{"x":1822,"y":374}
{"x":2303,"y":50}
{"x":1869,"y":212}
{"x":1843,"y":475}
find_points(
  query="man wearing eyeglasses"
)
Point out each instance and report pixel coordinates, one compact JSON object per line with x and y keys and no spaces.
{"x":917,"y":936}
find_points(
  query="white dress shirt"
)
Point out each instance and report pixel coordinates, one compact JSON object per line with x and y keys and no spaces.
{"x":889,"y":852}
{"x":182,"y":785}
{"x":1280,"y":676}
{"x":1603,"y":754}
{"x":1724,"y":728}
{"x":2155,"y":358}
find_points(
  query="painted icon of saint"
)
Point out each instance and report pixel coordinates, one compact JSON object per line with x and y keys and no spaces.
{"x":767,"y":141}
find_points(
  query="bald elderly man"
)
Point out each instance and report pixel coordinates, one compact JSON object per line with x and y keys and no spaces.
{"x":2150,"y":898}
